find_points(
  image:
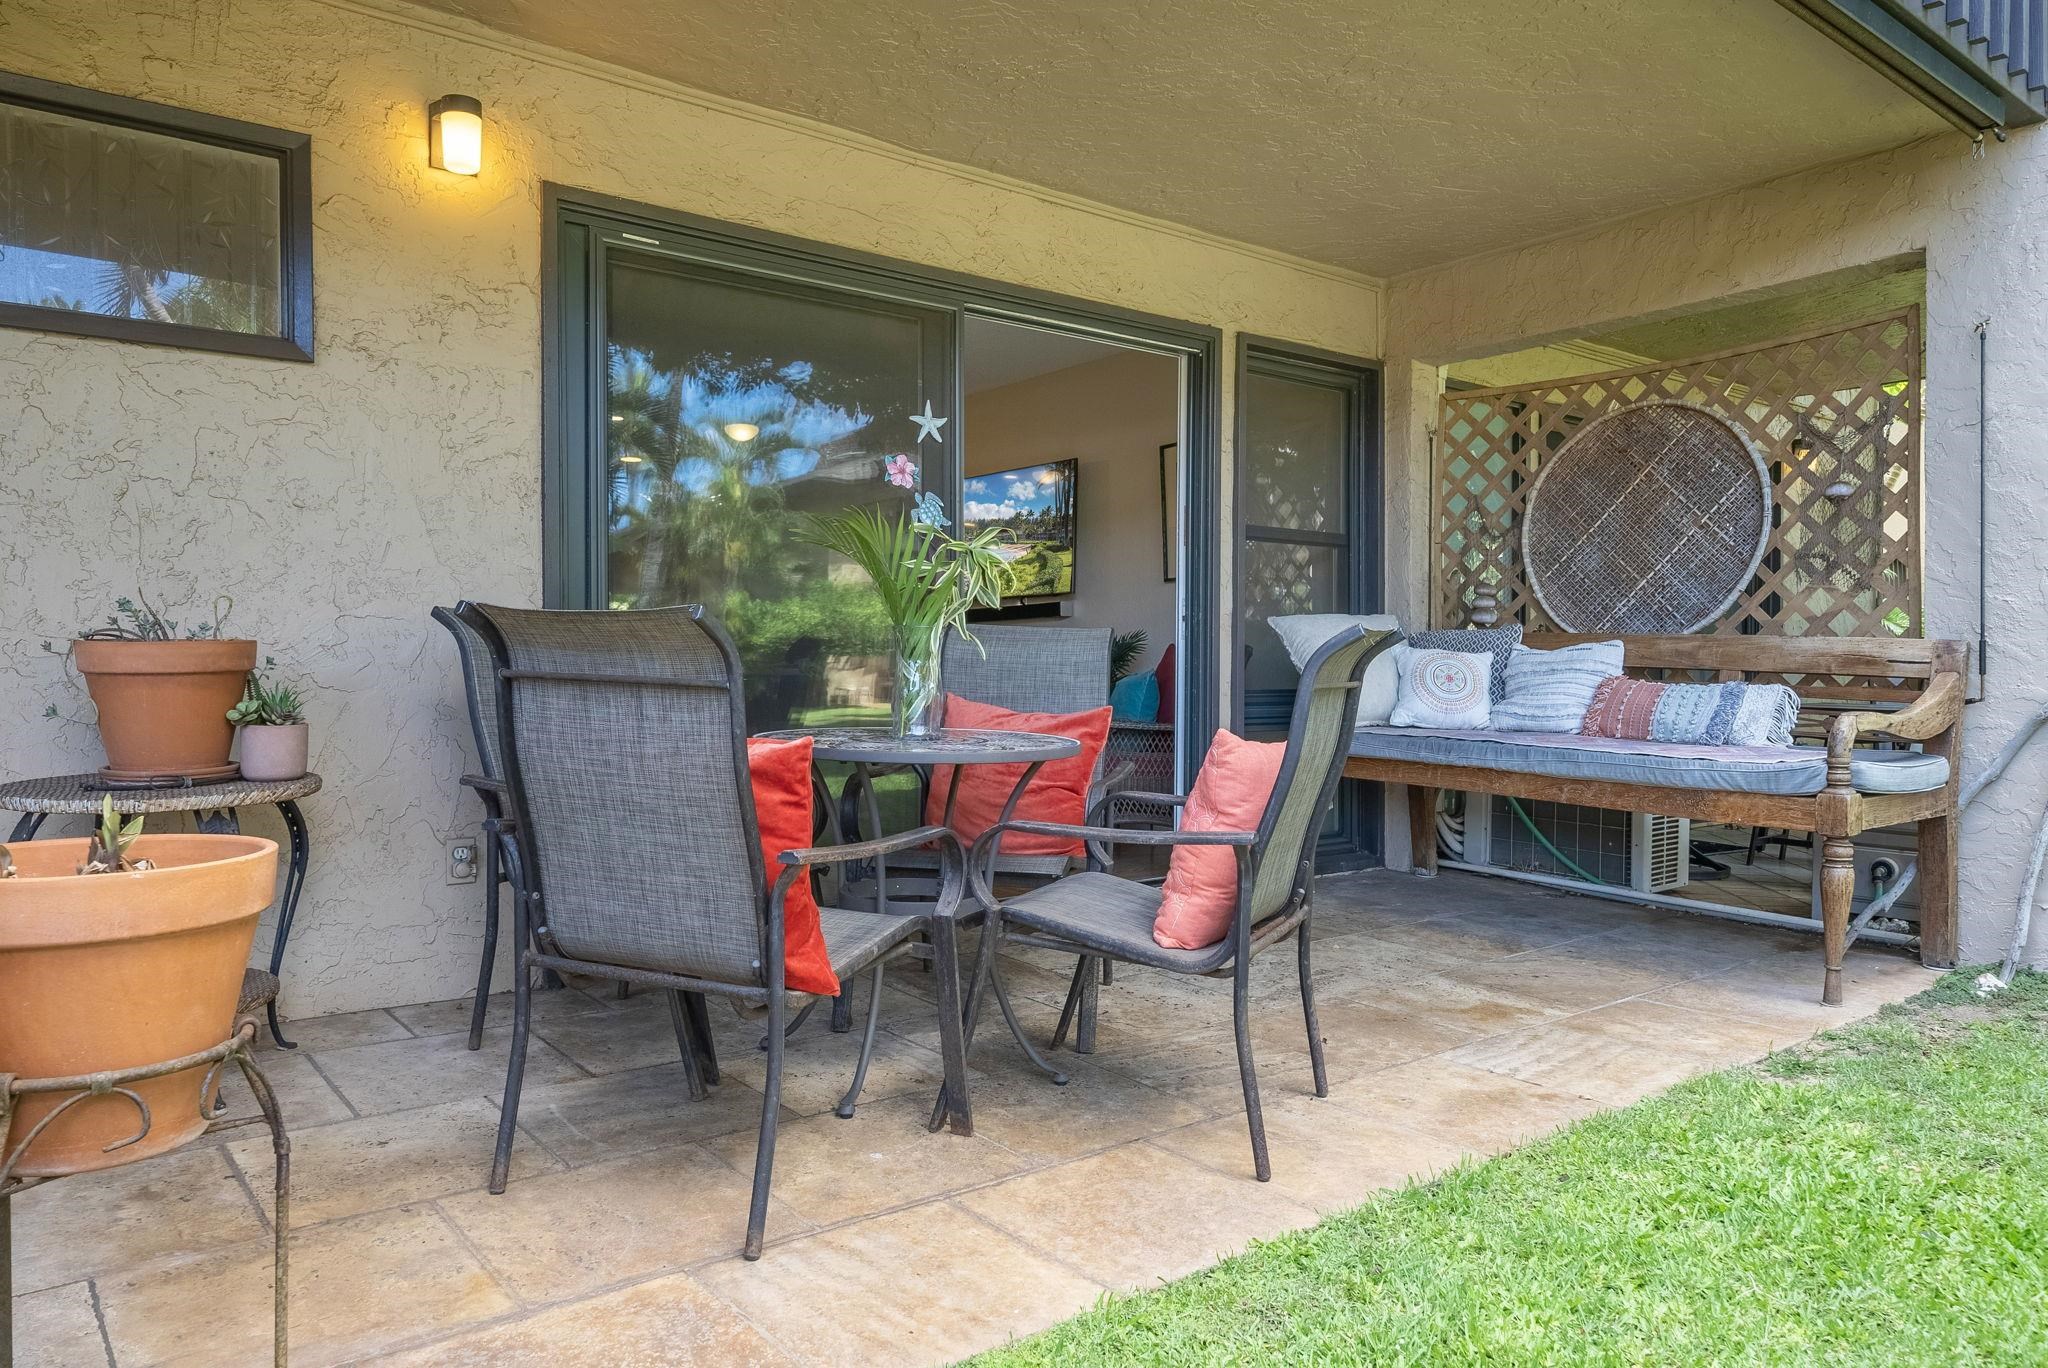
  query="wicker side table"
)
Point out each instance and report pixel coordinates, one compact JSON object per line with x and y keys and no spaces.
{"x":234,"y":1050}
{"x":214,"y":808}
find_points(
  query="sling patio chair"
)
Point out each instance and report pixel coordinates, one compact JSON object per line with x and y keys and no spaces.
{"x":500,"y":857}
{"x":1097,"y":915}
{"x":1024,"y":669}
{"x":623,"y":741}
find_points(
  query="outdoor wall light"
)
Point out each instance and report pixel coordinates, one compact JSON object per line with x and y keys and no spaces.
{"x":742,"y":432}
{"x":455,"y":134}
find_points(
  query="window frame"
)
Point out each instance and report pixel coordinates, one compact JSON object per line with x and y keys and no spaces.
{"x":1356,"y":842}
{"x":293,"y":153}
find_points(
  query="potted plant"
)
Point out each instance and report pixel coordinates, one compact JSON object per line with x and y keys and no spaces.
{"x":162,"y":691}
{"x":928,"y":581}
{"x":273,"y":728}
{"x":119,"y":950}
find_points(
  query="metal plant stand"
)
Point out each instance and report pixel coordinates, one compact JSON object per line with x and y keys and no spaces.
{"x":234,"y":1050}
{"x":215,"y":811}
{"x":867,"y":747}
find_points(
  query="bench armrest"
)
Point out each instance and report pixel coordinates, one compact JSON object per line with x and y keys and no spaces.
{"x":1931,"y":715}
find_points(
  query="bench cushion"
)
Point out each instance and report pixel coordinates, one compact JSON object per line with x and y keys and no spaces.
{"x":1787,"y":770}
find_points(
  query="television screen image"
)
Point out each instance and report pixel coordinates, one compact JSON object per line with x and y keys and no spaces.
{"x":1036,"y":504}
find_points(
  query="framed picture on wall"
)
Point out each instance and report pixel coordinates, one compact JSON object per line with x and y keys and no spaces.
{"x":144,"y":223}
{"x":1169,"y":510}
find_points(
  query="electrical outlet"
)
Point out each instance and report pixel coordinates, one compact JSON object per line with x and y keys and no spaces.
{"x":462,"y":858}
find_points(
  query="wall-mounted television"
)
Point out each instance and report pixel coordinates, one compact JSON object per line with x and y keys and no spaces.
{"x":1036,"y":504}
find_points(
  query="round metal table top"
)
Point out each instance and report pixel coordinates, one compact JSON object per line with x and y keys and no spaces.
{"x":81,"y":793}
{"x":946,"y":746}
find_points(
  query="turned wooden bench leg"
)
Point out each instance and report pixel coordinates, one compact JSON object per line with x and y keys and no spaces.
{"x":1937,"y":884}
{"x":1422,"y":830}
{"x":1837,"y":895}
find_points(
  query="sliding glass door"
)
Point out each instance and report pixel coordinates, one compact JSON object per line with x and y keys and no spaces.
{"x":731,"y":406}
{"x":706,"y":385}
{"x":1308,"y":491}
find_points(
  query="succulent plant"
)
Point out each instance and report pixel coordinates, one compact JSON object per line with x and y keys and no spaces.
{"x":266,"y":703}
{"x":107,"y":852}
{"x":137,"y":620}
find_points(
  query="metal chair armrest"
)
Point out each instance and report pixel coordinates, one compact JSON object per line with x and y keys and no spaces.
{"x":863,"y":850}
{"x":1144,"y":799}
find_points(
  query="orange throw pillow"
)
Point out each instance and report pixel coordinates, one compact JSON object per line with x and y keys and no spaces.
{"x":1059,"y":793}
{"x":781,"y":771}
{"x":1230,"y":794}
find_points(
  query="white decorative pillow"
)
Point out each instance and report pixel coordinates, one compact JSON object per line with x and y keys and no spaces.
{"x":1549,"y":691}
{"x":1445,"y":689}
{"x":1303,"y":634}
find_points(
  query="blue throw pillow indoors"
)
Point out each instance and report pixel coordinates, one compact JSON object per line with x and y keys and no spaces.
{"x":1135,"y":698}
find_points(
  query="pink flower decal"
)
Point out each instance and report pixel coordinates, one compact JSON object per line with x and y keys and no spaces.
{"x":902,"y":472}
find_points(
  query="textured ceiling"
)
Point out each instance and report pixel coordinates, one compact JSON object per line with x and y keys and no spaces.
{"x":1379,"y":135}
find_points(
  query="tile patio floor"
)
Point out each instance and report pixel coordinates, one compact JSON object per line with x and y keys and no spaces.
{"x":1464,"y":1015}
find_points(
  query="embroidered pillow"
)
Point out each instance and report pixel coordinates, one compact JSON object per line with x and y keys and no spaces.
{"x":1499,"y":642}
{"x":781,"y":774}
{"x":1731,"y":714}
{"x":1230,"y":794}
{"x":1445,"y":689}
{"x":1303,"y":634}
{"x":1549,"y":691}
{"x":1058,"y":792}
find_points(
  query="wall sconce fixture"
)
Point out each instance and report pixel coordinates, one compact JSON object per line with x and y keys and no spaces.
{"x":742,"y":432}
{"x":455,"y":134}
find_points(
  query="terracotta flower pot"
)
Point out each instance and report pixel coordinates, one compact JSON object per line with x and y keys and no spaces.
{"x":163,"y":704}
{"x":114,"y":971}
{"x":274,"y":752}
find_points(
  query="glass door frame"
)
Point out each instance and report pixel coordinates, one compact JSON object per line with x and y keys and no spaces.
{"x":577,"y":227}
{"x":1358,"y":840}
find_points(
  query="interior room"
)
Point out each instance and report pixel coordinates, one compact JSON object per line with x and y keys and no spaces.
{"x":1070,"y":442}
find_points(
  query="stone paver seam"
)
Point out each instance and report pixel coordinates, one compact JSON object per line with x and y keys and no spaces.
{"x":498,"y":1279}
{"x":1027,"y":1246}
{"x":313,"y":1062}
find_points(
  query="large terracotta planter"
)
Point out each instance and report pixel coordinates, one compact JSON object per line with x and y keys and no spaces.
{"x":163,"y":704}
{"x":114,"y":971}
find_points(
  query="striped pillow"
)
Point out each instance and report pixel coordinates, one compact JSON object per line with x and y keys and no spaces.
{"x":1728,"y":714}
{"x":1549,"y":691}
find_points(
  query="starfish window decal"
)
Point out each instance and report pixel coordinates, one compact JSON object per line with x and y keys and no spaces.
{"x":927,"y":425}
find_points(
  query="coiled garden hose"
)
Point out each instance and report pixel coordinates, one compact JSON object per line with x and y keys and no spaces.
{"x":1555,"y":853}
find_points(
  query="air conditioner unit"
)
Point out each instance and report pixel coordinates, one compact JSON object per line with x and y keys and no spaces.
{"x":1642,"y":851}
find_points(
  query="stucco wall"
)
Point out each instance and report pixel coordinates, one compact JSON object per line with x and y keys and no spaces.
{"x":1979,"y":223}
{"x":338,"y":501}
{"x":1112,"y":416}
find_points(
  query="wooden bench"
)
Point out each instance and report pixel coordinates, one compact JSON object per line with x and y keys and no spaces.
{"x":1852,"y":689}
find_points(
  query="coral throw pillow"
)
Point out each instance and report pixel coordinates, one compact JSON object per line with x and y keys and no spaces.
{"x":1230,"y":794}
{"x":781,"y":772}
{"x":1058,"y":793}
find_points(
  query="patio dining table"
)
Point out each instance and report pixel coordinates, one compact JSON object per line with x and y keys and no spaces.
{"x":870,"y":748}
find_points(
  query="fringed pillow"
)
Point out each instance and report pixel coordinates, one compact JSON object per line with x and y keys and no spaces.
{"x":1692,"y":714}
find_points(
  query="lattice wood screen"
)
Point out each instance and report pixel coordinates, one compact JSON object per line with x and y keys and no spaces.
{"x":1837,"y":415}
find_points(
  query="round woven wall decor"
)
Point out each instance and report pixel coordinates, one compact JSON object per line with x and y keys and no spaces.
{"x":1650,"y":519}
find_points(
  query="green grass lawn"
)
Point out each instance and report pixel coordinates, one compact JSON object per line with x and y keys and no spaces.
{"x":1877,"y":1197}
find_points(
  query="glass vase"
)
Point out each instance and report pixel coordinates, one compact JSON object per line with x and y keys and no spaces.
{"x":914,"y":708}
